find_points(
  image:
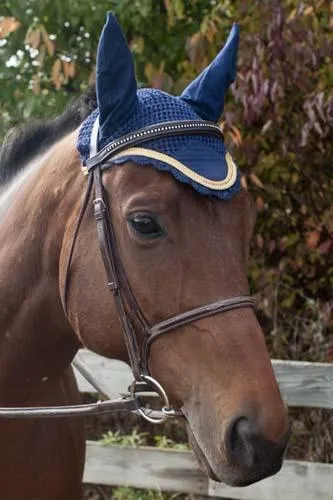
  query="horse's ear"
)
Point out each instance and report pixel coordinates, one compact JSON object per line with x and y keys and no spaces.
{"x":115,"y":78}
{"x":206,"y":93}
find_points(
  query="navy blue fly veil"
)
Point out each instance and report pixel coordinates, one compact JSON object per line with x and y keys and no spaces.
{"x":200,"y":160}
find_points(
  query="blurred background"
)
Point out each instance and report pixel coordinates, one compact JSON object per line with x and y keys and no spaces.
{"x":278,"y":124}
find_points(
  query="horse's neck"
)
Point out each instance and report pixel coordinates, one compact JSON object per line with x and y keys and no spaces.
{"x":36,"y":341}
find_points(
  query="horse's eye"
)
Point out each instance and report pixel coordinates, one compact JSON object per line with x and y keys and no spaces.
{"x":146,"y":225}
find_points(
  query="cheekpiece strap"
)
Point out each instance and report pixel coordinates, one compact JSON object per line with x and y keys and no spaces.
{"x":159,"y":130}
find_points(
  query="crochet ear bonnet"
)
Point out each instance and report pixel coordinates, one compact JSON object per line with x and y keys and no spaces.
{"x":201,"y":161}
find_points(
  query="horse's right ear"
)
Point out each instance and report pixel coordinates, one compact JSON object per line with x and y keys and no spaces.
{"x":115,"y":78}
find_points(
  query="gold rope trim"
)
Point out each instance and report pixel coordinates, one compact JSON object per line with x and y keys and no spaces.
{"x":203,"y":181}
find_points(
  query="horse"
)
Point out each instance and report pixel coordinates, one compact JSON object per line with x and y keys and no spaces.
{"x":172,"y":251}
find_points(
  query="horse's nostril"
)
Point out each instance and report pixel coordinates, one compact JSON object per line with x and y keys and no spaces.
{"x":239,"y":442}
{"x":248,"y":448}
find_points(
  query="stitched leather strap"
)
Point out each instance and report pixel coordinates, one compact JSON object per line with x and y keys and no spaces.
{"x":127,"y":404}
{"x":220,"y":306}
{"x":165,"y":129}
{"x":111,"y":263}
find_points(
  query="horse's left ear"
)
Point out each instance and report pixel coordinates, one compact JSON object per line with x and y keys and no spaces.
{"x":116,"y":86}
{"x":206,"y":93}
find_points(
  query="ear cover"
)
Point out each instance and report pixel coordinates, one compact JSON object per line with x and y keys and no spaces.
{"x":200,"y":161}
{"x":116,"y":86}
{"x":206,"y":93}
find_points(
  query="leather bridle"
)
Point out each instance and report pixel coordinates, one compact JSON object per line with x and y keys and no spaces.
{"x":132,"y":319}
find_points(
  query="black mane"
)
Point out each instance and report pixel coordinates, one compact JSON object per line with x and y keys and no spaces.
{"x":23,"y":143}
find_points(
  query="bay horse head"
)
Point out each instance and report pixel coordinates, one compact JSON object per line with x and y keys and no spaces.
{"x":174,"y":228}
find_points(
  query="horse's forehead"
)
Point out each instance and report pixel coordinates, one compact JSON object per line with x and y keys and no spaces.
{"x":132,"y":180}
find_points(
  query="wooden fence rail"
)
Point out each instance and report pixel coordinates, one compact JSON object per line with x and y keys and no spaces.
{"x":169,"y":470}
{"x":302,"y":384}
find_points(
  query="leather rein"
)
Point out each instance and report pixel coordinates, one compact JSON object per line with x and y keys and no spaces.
{"x":130,"y":315}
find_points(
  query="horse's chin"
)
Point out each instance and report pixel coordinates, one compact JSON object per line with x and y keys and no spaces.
{"x":201,"y":457}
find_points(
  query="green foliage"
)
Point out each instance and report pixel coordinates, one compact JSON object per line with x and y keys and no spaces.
{"x":285,"y":123}
{"x":50,"y":56}
{"x":136,"y":439}
{"x":135,"y":494}
{"x":278,"y":121}
{"x":132,"y":440}
{"x":166,"y":443}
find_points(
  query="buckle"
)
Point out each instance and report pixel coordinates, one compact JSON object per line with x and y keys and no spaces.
{"x":147,"y":384}
{"x":99,"y":208}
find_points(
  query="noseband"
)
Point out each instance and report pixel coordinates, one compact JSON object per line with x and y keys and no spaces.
{"x":131,"y":316}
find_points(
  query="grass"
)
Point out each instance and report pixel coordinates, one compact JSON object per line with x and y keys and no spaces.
{"x":135,"y":494}
{"x":137,"y":438}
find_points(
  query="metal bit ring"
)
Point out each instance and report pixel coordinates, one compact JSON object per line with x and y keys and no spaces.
{"x":156,"y":387}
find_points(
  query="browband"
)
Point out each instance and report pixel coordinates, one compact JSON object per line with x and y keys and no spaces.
{"x":161,"y":130}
